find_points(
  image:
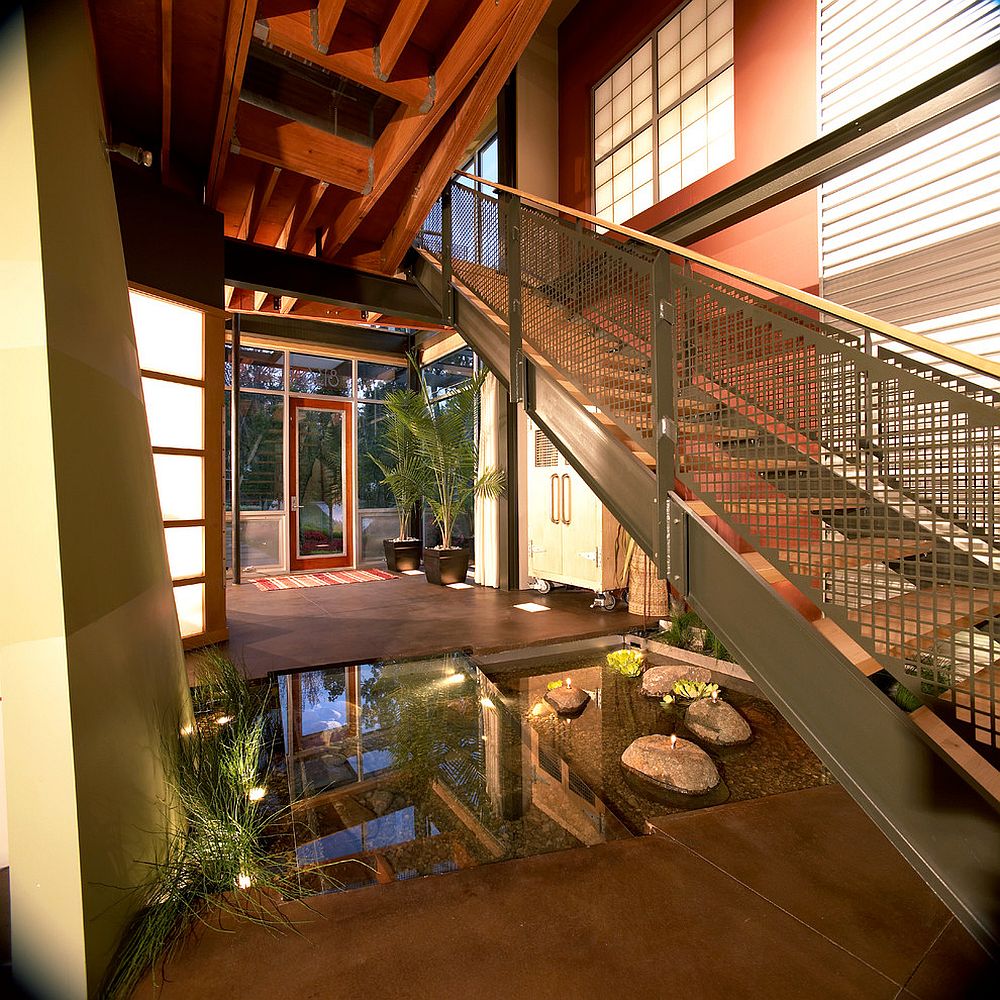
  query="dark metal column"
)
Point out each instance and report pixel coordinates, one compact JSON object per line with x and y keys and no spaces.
{"x":234,"y":449}
{"x":509,"y":528}
{"x":665,"y":429}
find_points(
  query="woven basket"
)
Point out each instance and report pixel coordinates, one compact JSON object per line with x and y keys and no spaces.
{"x":647,"y":593}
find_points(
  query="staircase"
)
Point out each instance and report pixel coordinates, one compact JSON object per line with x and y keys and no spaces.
{"x":821,"y":487}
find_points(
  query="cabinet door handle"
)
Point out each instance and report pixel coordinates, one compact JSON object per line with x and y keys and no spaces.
{"x":554,"y":501}
{"x":566,"y":498}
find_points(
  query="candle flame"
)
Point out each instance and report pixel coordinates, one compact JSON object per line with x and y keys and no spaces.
{"x":673,"y":741}
{"x":715,"y":697}
{"x":569,"y":682}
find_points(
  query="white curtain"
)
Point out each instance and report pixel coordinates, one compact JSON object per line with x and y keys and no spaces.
{"x":487,"y":512}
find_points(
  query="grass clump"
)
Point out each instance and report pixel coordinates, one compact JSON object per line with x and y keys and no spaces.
{"x":215,"y":858}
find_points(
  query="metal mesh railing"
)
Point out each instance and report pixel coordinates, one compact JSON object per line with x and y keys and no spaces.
{"x":867,"y":472}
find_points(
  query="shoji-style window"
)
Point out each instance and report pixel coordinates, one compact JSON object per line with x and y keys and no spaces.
{"x":664,"y":118}
{"x":914,"y":236}
{"x":174,"y":357}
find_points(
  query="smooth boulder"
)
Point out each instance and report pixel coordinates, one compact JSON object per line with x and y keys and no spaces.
{"x":717,"y":723}
{"x":568,"y":700}
{"x":659,"y":681}
{"x":683,"y":767}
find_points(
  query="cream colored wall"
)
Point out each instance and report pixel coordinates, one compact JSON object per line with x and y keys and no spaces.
{"x":91,"y":667}
{"x":538,"y":115}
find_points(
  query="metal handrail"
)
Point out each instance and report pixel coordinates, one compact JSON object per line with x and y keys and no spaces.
{"x":943,"y":351}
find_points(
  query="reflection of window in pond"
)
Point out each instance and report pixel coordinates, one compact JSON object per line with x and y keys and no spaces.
{"x":324,"y":700}
{"x":384,"y":831}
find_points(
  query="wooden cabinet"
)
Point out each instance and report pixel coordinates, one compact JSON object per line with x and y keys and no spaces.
{"x":571,"y":537}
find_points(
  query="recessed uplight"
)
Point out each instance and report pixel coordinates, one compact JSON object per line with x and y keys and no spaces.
{"x":487,"y":703}
{"x":413,"y":572}
{"x":532,"y":607}
{"x":256,"y":794}
{"x":460,"y":586}
{"x":243,"y":882}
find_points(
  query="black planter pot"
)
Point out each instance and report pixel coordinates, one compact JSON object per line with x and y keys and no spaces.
{"x":446,"y":566}
{"x":400,"y":556}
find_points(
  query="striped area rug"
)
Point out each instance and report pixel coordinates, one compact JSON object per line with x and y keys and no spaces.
{"x":332,"y":579}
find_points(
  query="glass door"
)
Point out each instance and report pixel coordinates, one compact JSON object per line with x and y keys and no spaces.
{"x":321,"y":508}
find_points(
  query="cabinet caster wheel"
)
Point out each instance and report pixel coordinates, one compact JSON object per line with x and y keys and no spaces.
{"x":543,"y":586}
{"x":610,"y":602}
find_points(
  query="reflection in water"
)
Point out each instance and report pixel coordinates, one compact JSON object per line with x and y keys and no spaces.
{"x":422,"y":766}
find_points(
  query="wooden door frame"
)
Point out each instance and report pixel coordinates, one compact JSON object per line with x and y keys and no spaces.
{"x":305,"y":563}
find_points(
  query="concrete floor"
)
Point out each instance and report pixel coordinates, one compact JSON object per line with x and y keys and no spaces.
{"x":793,"y":896}
{"x":288,"y":629}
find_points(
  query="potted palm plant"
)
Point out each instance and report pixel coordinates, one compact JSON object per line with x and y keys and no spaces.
{"x":403,"y":473}
{"x":444,"y":432}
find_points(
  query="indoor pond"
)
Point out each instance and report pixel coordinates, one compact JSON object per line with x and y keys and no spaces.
{"x":417,"y":767}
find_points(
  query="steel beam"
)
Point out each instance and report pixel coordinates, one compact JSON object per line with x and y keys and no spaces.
{"x":281,"y":272}
{"x":957,"y":91}
{"x":355,"y":338}
{"x":940,"y":824}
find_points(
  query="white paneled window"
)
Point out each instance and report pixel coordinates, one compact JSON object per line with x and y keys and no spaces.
{"x":683,"y":78}
{"x":913,"y":237}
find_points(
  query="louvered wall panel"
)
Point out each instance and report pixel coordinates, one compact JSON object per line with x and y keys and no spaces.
{"x":914,"y":236}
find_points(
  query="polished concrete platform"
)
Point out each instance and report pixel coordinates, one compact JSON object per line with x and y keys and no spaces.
{"x":792,"y":896}
{"x":290,"y":629}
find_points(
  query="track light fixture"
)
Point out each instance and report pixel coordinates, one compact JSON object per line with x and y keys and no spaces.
{"x":134,"y":153}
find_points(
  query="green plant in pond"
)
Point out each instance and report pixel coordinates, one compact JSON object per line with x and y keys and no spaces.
{"x":552,"y":685}
{"x":444,"y":432}
{"x":216,"y":858}
{"x":681,"y":632}
{"x":403,"y":469}
{"x":711,"y":645}
{"x":689,"y":691}
{"x":628,"y":662}
{"x":904,"y":697}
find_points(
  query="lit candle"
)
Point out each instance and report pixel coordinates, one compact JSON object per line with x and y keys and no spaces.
{"x":715,"y":697}
{"x":673,"y":741}
{"x":569,"y":682}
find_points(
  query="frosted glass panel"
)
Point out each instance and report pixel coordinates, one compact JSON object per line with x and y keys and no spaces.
{"x":169,"y":337}
{"x":190,"y":601}
{"x":175,"y":414}
{"x":185,"y":551}
{"x":179,"y":482}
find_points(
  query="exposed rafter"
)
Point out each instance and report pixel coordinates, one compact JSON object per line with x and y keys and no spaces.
{"x":353,"y":57}
{"x":263,"y":135}
{"x":302,"y":213}
{"x":396,"y":35}
{"x":239,"y":32}
{"x":263,"y":188}
{"x":324,"y":18}
{"x":465,"y":121}
{"x":406,"y":132}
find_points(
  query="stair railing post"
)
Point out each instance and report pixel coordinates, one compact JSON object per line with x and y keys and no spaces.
{"x":514,"y":298}
{"x":447,"y":293}
{"x":664,"y":409}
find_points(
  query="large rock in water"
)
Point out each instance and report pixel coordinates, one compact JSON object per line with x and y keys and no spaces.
{"x":718,"y":723}
{"x":658,"y":681}
{"x":683,"y":768}
{"x":568,"y":700}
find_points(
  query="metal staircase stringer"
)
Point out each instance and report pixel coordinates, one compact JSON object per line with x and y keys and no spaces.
{"x":945,"y":829}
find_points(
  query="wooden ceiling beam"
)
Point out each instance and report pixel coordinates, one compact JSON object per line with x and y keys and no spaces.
{"x":239,"y":32}
{"x":263,"y":135}
{"x":396,"y":35}
{"x":323,"y":21}
{"x":353,"y":57}
{"x":302,"y":213}
{"x":405,"y":133}
{"x":166,"y":77}
{"x":465,"y":122}
{"x":260,"y":196}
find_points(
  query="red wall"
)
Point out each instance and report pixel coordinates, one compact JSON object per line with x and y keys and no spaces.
{"x":775,"y":95}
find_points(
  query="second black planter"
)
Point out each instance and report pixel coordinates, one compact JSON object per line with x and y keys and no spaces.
{"x":446,"y":566}
{"x":401,"y":556}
